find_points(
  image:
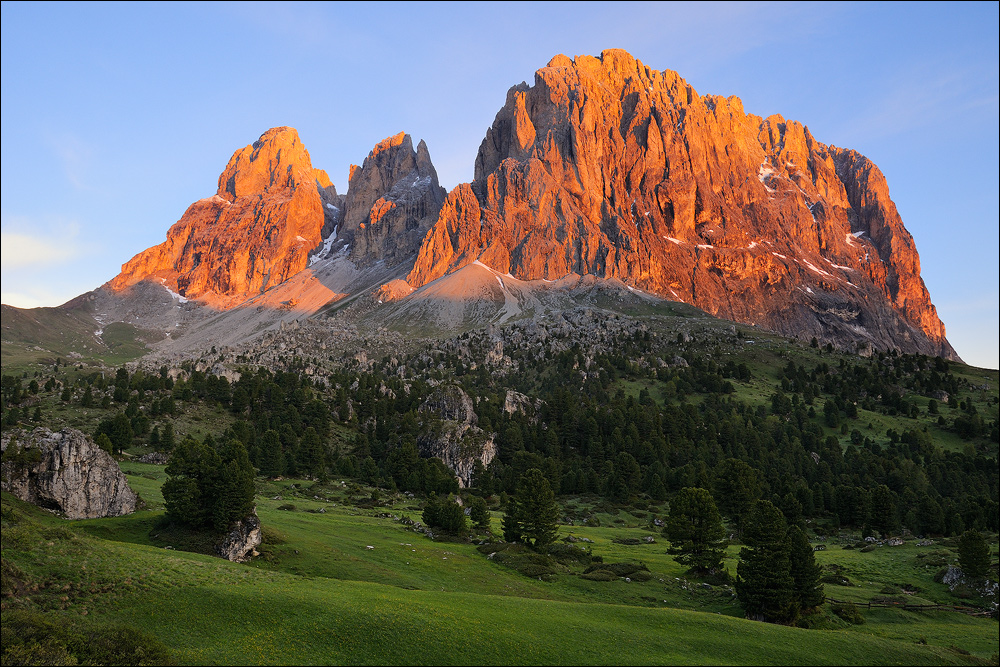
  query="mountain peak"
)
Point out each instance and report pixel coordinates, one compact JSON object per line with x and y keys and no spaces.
{"x":606,"y":167}
{"x":256,"y":232}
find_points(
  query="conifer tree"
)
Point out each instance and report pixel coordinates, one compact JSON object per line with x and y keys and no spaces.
{"x":737,"y":486}
{"x":764,"y":581}
{"x":804,"y":570}
{"x":695,"y":531}
{"x":973,"y":554}
{"x":532,"y":515}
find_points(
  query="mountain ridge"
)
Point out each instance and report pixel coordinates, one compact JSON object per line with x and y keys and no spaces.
{"x":602,"y":167}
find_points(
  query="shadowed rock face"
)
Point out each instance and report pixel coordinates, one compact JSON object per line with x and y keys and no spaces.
{"x":270,"y":210}
{"x":450,"y":433}
{"x":67,"y":472}
{"x":607,"y":167}
{"x":393,"y":199}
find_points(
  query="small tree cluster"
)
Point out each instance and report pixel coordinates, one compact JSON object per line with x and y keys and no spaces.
{"x":444,"y":513}
{"x":777,"y":574}
{"x":209,"y":488}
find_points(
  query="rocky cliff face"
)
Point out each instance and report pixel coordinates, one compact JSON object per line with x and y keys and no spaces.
{"x":450,"y":433}
{"x":607,"y":167}
{"x":270,"y":211}
{"x":65,"y":471}
{"x":393,"y":199}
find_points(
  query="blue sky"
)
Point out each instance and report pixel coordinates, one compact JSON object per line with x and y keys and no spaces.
{"x":115,"y":117}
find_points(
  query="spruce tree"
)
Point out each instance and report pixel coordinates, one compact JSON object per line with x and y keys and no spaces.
{"x":695,"y":531}
{"x":804,"y":570}
{"x":532,"y":515}
{"x":764,"y":581}
{"x":973,"y":555}
{"x":737,"y":486}
{"x":479,"y":513}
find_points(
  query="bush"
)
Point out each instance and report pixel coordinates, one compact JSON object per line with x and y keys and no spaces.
{"x":534,"y":570}
{"x":287,"y":507}
{"x":32,"y":638}
{"x":847,"y":611}
{"x":618,"y":569}
{"x":599,"y":575}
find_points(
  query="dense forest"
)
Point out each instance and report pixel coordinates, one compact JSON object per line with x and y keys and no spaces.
{"x":635,"y":422}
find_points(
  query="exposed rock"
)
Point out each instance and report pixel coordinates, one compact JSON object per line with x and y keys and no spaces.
{"x":241,"y":542}
{"x":270,"y":211}
{"x":393,"y":199}
{"x":65,"y":471}
{"x":157,"y":458}
{"x":450,"y":433}
{"x":607,"y":167}
{"x":515,"y":401}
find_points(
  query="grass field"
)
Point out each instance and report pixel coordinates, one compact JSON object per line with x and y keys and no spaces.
{"x":319,"y":594}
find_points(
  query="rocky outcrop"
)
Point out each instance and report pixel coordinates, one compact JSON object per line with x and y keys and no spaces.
{"x":241,"y":542}
{"x":66,"y":472}
{"x":450,"y":433}
{"x":607,"y":167}
{"x":270,"y":211}
{"x":393,"y":199}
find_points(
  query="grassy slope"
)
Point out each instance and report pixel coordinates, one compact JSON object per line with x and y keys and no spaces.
{"x":210,"y":611}
{"x":34,"y":338}
{"x":323,"y":597}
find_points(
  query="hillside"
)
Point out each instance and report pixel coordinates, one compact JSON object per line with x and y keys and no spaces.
{"x":619,"y":410}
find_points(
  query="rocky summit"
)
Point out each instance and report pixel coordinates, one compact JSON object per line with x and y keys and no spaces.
{"x":603,"y":167}
{"x":607,"y":167}
{"x":255,"y":232}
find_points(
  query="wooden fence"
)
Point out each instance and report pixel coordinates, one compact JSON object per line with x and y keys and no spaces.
{"x":913,"y":607}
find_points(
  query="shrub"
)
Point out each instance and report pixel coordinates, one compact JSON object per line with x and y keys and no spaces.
{"x":534,"y":570}
{"x":847,"y":611}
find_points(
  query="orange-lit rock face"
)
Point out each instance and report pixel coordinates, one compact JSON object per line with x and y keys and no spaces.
{"x":254,"y":233}
{"x":605,"y":166}
{"x":392,"y":200}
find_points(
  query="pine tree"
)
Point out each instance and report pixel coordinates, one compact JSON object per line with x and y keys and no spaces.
{"x":764,"y":581}
{"x":737,"y":486}
{"x":88,"y":397}
{"x":973,"y":555}
{"x":695,"y":531}
{"x":532,"y":515}
{"x":235,"y":486}
{"x":479,"y":513}
{"x":804,"y":570}
{"x":272,"y":459}
{"x":883,"y":510}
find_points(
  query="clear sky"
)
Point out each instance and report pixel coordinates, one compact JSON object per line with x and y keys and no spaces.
{"x":116,"y":117}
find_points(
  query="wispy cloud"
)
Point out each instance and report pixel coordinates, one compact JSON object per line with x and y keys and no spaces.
{"x":74,"y":155}
{"x":19,"y":250}
{"x":36,"y":298}
{"x":913,"y":102}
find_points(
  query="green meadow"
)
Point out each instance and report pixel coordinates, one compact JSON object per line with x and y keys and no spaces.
{"x":340,"y":581}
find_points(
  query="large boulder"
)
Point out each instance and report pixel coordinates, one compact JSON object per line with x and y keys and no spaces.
{"x":64,"y":471}
{"x":241,"y":542}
